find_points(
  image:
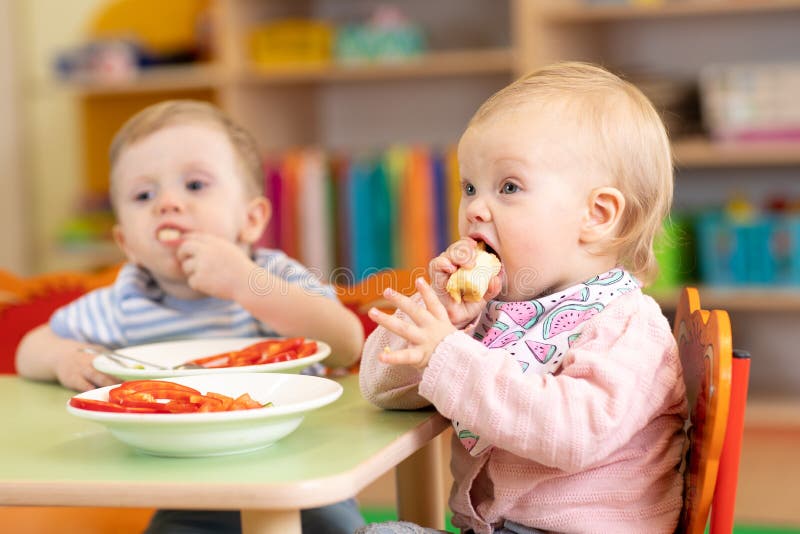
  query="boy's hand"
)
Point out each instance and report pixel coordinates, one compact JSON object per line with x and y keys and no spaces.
{"x":75,"y":371}
{"x":214,"y":266}
{"x":460,"y":254}
{"x":428,"y":327}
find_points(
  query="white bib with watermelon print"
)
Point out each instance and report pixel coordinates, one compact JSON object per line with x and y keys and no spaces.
{"x":537,"y":333}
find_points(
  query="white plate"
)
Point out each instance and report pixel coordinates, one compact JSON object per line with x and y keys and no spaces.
{"x":171,"y":353}
{"x":218,"y":433}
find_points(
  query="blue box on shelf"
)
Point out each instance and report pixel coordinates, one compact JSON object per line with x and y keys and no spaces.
{"x":762,"y":251}
{"x":785,"y":249}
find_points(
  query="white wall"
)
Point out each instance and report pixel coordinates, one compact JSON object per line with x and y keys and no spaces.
{"x":14,"y":249}
{"x":53,"y":147}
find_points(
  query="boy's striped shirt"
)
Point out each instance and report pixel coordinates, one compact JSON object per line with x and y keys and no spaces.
{"x":134,"y":310}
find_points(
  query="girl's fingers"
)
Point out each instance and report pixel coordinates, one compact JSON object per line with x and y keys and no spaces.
{"x":414,"y":311}
{"x":395,"y":325}
{"x":431,"y":300}
{"x":463,"y":252}
{"x":440,"y":268}
{"x":495,"y":285}
{"x":402,"y":357}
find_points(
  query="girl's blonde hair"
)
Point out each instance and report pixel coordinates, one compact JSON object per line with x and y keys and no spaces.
{"x":630,"y":140}
{"x":176,"y":112}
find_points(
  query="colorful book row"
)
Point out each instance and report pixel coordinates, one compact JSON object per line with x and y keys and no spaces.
{"x":352,"y":215}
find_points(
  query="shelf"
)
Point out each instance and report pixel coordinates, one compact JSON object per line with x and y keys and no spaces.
{"x":210,"y":77}
{"x":151,"y":80}
{"x":783,"y":413}
{"x":430,"y":65}
{"x":686,"y":8}
{"x":743,"y":299}
{"x":88,"y":256}
{"x":701,"y":152}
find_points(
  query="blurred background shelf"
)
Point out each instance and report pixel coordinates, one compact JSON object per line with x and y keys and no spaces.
{"x":582,"y":13}
{"x":738,"y":299}
{"x":764,"y":412}
{"x":699,"y":151}
{"x":153,"y":80}
{"x":474,"y":62}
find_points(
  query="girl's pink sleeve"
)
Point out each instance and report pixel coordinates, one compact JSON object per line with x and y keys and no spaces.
{"x":389,"y":386}
{"x":621,"y":375}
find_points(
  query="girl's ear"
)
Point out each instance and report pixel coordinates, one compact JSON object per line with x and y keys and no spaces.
{"x":259,"y":211}
{"x":604,"y":211}
{"x":119,"y":238}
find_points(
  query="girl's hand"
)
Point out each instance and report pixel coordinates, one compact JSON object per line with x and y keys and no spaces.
{"x":214,"y":266}
{"x":75,"y":371}
{"x":460,"y":254}
{"x":428,"y":326}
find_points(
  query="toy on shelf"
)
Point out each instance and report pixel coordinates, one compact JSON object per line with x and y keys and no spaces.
{"x":388,"y":35}
{"x":742,"y":245}
{"x":752,"y":102}
{"x":674,"y":249}
{"x":102,"y":61}
{"x":123,"y":38}
{"x":292,"y":41}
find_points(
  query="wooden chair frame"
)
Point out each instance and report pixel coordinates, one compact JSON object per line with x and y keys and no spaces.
{"x":716,"y":380}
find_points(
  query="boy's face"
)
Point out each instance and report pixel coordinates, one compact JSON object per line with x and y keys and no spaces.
{"x":182,"y":178}
{"x":524,"y":194}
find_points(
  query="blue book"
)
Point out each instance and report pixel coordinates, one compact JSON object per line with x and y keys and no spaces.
{"x":382,"y":214}
{"x":361,"y":227}
{"x":441,"y":203}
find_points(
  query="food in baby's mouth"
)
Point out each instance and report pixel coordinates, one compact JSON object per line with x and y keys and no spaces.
{"x":471,"y":285}
{"x":169,"y":234}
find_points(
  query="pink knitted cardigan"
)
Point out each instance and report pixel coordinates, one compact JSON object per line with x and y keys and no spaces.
{"x":594,"y":448}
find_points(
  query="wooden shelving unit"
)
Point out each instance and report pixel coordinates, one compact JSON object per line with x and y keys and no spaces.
{"x":577,"y":13}
{"x":475,"y":62}
{"x":738,"y":299}
{"x":435,"y":64}
{"x":702,"y":152}
{"x":153,"y":80}
{"x":772,"y":412}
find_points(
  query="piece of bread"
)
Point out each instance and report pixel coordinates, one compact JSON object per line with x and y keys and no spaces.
{"x":471,"y":284}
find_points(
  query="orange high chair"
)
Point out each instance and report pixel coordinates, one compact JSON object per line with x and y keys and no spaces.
{"x":716,"y":386}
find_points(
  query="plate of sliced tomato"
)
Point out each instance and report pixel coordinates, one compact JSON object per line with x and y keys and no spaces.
{"x":206,"y":415}
{"x":216,"y":355}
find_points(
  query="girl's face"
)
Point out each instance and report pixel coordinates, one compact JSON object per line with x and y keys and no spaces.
{"x":524,"y":194}
{"x":182,"y":178}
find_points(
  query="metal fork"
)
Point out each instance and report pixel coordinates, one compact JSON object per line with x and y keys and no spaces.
{"x":120,"y":359}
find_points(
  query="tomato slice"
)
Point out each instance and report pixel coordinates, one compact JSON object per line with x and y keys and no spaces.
{"x":282,"y":357}
{"x":307,"y":349}
{"x":245,"y":402}
{"x":259,"y":353}
{"x":227,"y":402}
{"x":245,"y":357}
{"x":97,"y":405}
{"x":143,"y":400}
{"x":159,"y":389}
{"x":163,"y":397}
{"x":103,"y":406}
{"x":177,"y":406}
{"x":215,"y":360}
